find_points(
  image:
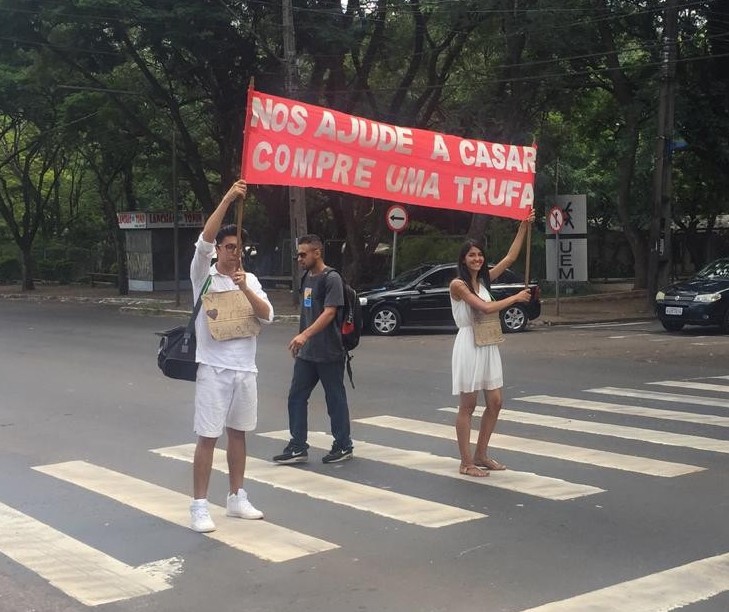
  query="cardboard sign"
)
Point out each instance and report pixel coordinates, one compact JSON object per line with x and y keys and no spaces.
{"x":230,"y":315}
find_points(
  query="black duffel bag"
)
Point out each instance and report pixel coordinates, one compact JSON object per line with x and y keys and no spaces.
{"x":176,"y":353}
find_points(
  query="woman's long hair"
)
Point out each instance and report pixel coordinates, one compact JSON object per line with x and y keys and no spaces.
{"x":463,"y":272}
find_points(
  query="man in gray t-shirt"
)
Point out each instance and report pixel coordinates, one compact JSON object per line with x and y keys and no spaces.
{"x":318,"y":356}
{"x":317,"y":291}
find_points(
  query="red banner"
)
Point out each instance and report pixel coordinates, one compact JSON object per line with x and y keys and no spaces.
{"x":287,"y":142}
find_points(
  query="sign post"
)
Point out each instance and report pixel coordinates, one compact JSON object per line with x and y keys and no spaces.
{"x":397,"y":220}
{"x":566,"y":245}
{"x":556,"y":221}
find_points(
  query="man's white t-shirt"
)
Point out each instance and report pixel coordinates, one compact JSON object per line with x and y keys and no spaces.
{"x":235,"y":354}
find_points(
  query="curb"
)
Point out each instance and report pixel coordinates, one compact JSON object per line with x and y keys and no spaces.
{"x":127,"y":305}
{"x":146,"y":310}
{"x":547,"y":323}
{"x":599,"y":297}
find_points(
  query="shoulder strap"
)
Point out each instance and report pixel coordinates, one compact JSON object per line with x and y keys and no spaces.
{"x":348,"y":363}
{"x":327,"y":272}
{"x":198,"y":305}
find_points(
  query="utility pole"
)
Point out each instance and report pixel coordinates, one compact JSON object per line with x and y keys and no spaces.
{"x":659,"y":261}
{"x":176,"y":222}
{"x":297,"y":201}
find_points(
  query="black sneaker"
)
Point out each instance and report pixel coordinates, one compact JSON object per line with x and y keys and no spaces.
{"x":337,"y":454}
{"x":292,"y":454}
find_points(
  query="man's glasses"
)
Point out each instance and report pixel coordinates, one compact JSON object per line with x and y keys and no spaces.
{"x":231,"y":248}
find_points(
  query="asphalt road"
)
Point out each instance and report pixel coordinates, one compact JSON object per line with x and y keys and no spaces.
{"x":617,"y":439}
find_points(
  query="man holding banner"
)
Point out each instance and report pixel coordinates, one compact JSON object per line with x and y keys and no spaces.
{"x":226,"y":395}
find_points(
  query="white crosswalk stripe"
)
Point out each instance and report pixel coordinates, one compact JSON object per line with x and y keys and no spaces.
{"x":616,"y":431}
{"x":339,"y":491}
{"x":668,"y":590}
{"x":665,"y":397}
{"x":512,"y":480}
{"x":94,"y":578}
{"x":606,"y":459}
{"x":622,"y":409}
{"x":260,"y":538}
{"x":688,"y":384}
{"x":82,"y":572}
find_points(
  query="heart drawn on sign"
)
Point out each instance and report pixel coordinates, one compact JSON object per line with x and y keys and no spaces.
{"x":212,"y":313}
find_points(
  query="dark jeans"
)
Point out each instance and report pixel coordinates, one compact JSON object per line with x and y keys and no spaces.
{"x":306,"y":375}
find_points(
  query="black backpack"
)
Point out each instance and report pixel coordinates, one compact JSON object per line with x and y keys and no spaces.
{"x":349,"y":318}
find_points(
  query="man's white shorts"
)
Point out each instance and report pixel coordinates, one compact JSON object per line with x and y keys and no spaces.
{"x":224,"y":398}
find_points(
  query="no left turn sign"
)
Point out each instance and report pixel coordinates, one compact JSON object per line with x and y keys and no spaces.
{"x":397,"y":218}
{"x":555,"y":218}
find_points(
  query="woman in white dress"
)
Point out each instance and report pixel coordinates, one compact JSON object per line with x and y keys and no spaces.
{"x":478,"y":368}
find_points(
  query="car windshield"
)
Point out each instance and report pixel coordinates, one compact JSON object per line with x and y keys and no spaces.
{"x":408,"y":276}
{"x":716,"y":269}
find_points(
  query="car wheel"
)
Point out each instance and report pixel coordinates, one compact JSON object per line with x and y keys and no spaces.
{"x":672,"y":325}
{"x":514,"y":318}
{"x":385,"y":321}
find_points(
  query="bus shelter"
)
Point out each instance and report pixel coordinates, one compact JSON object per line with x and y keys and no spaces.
{"x":149,"y":240}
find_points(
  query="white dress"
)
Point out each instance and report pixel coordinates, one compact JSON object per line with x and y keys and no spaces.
{"x":474,"y":367}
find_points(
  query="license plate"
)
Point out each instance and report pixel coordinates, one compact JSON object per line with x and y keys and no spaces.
{"x":674,"y":310}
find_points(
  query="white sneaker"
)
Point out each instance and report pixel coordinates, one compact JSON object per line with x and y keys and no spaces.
{"x":239,"y":506}
{"x":200,"y":520}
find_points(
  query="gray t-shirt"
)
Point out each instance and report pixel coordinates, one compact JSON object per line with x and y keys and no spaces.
{"x":318,"y":291}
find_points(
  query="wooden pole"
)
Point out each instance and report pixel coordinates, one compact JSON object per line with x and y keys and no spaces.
{"x":176,"y":221}
{"x":528,"y":255}
{"x":239,"y":227}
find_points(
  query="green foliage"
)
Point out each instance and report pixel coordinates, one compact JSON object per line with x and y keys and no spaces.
{"x":59,"y":270}
{"x":505,"y":72}
{"x":10,"y":270}
{"x":414,"y":250}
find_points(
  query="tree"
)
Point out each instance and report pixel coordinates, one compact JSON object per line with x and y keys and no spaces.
{"x":28,"y":180}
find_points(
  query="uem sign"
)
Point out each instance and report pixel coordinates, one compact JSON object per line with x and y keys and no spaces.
{"x":567,"y":253}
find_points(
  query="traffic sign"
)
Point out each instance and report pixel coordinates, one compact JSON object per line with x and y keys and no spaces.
{"x":397,"y":218}
{"x":555,"y":218}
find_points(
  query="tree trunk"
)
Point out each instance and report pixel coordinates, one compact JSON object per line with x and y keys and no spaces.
{"x":28,"y":267}
{"x":477,"y":229}
{"x":626,"y":168}
{"x":117,"y":238}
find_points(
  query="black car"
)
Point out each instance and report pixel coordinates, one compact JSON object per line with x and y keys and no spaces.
{"x":701,"y":300}
{"x":420,"y":298}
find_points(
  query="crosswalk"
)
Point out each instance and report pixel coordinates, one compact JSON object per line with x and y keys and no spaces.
{"x":650,"y":418}
{"x":260,"y":538}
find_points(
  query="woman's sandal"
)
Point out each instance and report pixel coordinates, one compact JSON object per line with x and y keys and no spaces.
{"x":472,"y":470}
{"x":490,"y":464}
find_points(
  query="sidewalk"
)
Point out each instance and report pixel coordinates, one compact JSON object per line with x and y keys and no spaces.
{"x":613,"y":303}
